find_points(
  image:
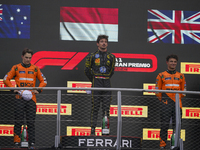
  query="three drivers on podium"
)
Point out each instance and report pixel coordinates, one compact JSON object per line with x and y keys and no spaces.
{"x":99,"y":68}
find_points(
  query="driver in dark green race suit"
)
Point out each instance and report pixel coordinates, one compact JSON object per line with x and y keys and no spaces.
{"x":99,"y":68}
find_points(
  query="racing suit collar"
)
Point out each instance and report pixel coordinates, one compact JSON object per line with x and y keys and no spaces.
{"x":101,"y":51}
{"x":26,"y":66}
{"x":171,"y":72}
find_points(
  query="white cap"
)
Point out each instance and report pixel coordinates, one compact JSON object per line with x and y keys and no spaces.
{"x":26,"y":94}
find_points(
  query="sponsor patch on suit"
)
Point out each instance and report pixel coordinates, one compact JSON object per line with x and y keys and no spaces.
{"x":21,"y":71}
{"x":30,"y":72}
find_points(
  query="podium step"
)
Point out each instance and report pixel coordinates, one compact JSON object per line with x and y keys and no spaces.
{"x":100,"y":142}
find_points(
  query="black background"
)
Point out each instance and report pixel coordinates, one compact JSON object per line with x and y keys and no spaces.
{"x":132,"y":38}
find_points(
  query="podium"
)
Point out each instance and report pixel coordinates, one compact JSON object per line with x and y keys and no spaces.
{"x":106,"y":142}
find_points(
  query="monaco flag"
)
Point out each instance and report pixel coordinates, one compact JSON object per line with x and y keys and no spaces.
{"x":85,"y":24}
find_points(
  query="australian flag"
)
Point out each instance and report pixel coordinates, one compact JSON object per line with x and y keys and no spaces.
{"x":15,"y":21}
{"x":173,"y":26}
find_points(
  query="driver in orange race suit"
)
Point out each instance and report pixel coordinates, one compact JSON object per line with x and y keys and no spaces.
{"x":25,"y":75}
{"x":169,"y":80}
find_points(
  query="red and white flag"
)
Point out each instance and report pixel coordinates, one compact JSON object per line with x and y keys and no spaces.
{"x":85,"y":24}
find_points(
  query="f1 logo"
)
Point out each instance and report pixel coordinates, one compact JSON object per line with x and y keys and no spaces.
{"x":68,"y":60}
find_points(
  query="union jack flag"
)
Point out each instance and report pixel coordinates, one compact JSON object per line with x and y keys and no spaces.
{"x":173,"y":26}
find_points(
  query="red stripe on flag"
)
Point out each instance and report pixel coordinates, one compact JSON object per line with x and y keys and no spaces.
{"x":161,"y":36}
{"x":89,"y":15}
{"x":195,"y":36}
{"x":157,"y":14}
{"x":193,"y":16}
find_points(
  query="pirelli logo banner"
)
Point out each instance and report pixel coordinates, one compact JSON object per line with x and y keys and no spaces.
{"x":3,"y":85}
{"x":129,"y":111}
{"x":154,"y":134}
{"x":190,"y":113}
{"x":190,"y":68}
{"x":76,"y":84}
{"x":149,"y":86}
{"x":51,"y":109}
{"x":82,"y":131}
{"x":6,"y":130}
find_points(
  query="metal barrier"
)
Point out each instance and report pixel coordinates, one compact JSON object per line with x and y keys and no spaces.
{"x":178,"y":142}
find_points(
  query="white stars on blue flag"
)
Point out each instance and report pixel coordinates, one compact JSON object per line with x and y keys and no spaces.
{"x":15,"y":21}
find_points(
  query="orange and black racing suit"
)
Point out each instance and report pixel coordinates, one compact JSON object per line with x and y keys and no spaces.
{"x":99,"y":68}
{"x":25,"y":76}
{"x":169,"y":80}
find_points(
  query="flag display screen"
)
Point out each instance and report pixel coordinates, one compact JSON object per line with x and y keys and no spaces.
{"x":173,"y":26}
{"x":85,"y":24}
{"x":15,"y":21}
